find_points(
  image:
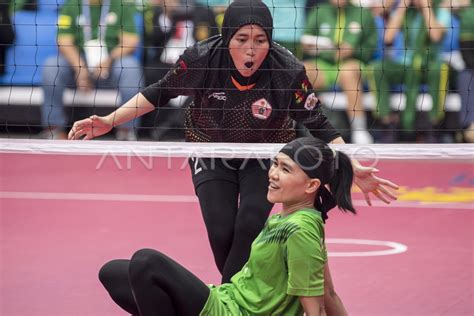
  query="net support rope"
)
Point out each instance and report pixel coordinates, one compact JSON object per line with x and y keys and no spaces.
{"x":231,"y":150}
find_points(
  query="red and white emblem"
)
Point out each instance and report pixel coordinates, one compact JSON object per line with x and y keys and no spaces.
{"x":311,"y":101}
{"x":261,"y":109}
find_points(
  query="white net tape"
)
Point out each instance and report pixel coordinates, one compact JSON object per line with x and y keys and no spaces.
{"x":231,"y":150}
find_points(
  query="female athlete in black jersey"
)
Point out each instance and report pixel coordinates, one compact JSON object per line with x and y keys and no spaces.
{"x":246,"y":89}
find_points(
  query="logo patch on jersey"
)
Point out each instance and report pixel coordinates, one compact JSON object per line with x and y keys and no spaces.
{"x":311,"y":102}
{"x":261,"y":109}
{"x":299,"y":96}
{"x":218,"y":96}
{"x":305,"y":85}
{"x":180,"y":68}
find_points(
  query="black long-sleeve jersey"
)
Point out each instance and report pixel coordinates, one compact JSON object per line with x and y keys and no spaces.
{"x":225,"y":111}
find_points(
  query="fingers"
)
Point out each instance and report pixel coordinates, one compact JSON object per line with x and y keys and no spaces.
{"x":383,"y":194}
{"x":387,"y":193}
{"x":70,"y":135}
{"x":367,"y":199}
{"x":80,"y":128}
{"x":381,"y":197}
{"x":387,"y":183}
{"x":75,"y":134}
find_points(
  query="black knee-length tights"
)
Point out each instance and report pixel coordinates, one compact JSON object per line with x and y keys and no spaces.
{"x":153,"y":284}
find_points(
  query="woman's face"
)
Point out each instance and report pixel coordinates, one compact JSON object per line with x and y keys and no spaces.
{"x":248,"y":48}
{"x":289,"y":184}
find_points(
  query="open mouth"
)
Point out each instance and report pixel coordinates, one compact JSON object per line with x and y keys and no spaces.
{"x":249,"y":64}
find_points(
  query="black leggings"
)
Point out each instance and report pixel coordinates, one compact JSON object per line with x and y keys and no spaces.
{"x":233,"y":226}
{"x":153,"y":284}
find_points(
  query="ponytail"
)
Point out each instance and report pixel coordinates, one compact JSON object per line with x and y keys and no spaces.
{"x":341,"y":183}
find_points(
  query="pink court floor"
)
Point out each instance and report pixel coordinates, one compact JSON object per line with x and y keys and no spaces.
{"x":63,"y":216}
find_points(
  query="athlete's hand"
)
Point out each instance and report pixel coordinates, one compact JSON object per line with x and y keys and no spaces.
{"x":90,"y":127}
{"x":368,"y":182}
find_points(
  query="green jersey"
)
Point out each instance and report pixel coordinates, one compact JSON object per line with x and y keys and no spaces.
{"x":118,"y":19}
{"x":286,"y":261}
{"x":351,"y":25}
{"x":467,"y":24}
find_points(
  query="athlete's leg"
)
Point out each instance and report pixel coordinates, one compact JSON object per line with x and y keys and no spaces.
{"x":57,"y":76}
{"x":315,"y":75}
{"x":437,"y":78}
{"x":114,"y":277}
{"x":163,"y":287}
{"x":384,"y":74}
{"x":219,"y":200}
{"x":413,"y":76}
{"x":254,"y":209}
{"x":350,"y":79}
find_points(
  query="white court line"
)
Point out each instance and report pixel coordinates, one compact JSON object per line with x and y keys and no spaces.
{"x":193,"y":199}
{"x":393,"y":247}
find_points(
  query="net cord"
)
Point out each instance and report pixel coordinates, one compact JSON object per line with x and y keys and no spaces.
{"x":231,"y":150}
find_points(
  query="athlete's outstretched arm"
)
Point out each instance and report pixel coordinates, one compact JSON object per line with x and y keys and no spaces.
{"x":182,"y":79}
{"x":368,"y":182}
{"x":94,"y":125}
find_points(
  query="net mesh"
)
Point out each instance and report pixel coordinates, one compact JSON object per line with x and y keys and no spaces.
{"x":427,"y":99}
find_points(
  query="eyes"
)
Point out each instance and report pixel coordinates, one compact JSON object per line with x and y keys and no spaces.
{"x":283,"y":167}
{"x":259,"y":41}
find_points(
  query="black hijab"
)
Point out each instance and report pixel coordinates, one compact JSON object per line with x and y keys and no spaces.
{"x":238,"y":14}
{"x":244,"y":12}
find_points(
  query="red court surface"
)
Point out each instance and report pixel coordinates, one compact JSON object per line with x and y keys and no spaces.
{"x":62,"y":217}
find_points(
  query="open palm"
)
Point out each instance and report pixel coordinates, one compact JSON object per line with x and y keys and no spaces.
{"x":368,"y":182}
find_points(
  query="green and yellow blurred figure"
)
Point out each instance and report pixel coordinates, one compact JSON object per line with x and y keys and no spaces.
{"x":423,"y":24}
{"x":341,"y":38}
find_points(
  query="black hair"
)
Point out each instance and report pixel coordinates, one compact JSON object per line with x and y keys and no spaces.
{"x":341,"y":183}
{"x":331,"y":167}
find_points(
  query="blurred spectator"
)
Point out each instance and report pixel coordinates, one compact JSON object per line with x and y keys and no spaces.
{"x":218,"y":7}
{"x":423,"y":26}
{"x":6,"y":32}
{"x":96,"y":41}
{"x":466,"y":77}
{"x":381,"y":11}
{"x":170,"y":27}
{"x":29,"y":5}
{"x":342,"y":38}
{"x":288,"y":23}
